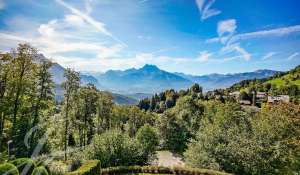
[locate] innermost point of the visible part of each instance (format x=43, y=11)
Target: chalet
x=261, y=95
x=279, y=98
x=235, y=94
x=245, y=102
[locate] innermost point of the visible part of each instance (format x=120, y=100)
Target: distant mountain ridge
x=148, y=79
x=58, y=71
x=217, y=81
x=151, y=79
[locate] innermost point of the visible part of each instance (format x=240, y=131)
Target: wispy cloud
x=268, y=55
x=260, y=34
x=98, y=25
x=60, y=37
x=204, y=56
x=143, y=1
x=164, y=50
x=205, y=9
x=88, y=6
x=235, y=47
x=88, y=19
x=293, y=56
x=143, y=37
x=2, y=4
x=226, y=30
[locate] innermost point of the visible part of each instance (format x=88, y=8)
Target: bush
x=40, y=171
x=24, y=164
x=114, y=148
x=148, y=138
x=57, y=167
x=159, y=170
x=8, y=169
x=90, y=167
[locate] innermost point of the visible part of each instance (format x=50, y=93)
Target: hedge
x=8, y=169
x=41, y=170
x=90, y=167
x=24, y=164
x=158, y=170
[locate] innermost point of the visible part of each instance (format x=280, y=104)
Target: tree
x=89, y=96
x=44, y=98
x=5, y=73
x=148, y=138
x=71, y=86
x=22, y=80
x=104, y=111
x=196, y=89
x=240, y=143
x=173, y=132
x=180, y=123
x=244, y=96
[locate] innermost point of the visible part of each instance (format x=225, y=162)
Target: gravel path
x=168, y=159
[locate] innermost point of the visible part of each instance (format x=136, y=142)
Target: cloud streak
x=205, y=9
x=88, y=19
x=293, y=56
x=260, y=34
x=98, y=25
x=2, y=4
x=226, y=30
x=268, y=55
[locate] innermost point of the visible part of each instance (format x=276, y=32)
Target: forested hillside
x=285, y=83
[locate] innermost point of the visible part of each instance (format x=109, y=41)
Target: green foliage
x=40, y=171
x=26, y=96
x=114, y=148
x=237, y=142
x=147, y=136
x=24, y=165
x=90, y=167
x=8, y=169
x=179, y=124
x=57, y=167
x=158, y=170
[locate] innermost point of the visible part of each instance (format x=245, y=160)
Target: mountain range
x=131, y=85
x=150, y=79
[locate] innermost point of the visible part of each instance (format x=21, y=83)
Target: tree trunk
x=16, y=103
x=66, y=128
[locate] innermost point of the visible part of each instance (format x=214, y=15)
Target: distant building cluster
x=279, y=98
x=260, y=97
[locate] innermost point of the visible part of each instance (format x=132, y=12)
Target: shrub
x=148, y=138
x=114, y=148
x=24, y=165
x=8, y=169
x=90, y=167
x=159, y=170
x=57, y=167
x=40, y=171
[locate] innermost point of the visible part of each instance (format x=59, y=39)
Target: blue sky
x=190, y=36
